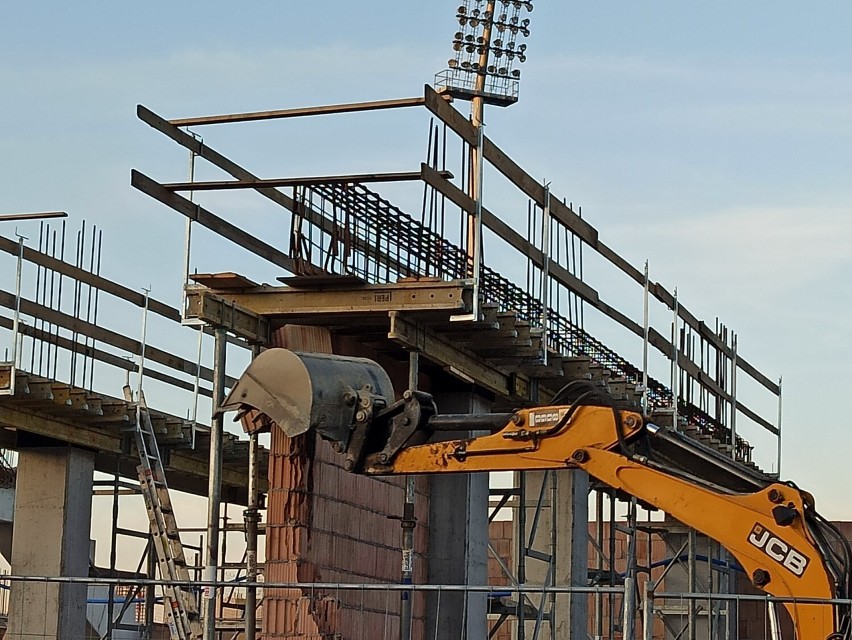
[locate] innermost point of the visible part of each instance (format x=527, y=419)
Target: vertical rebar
x=37, y=297
x=545, y=271
x=16, y=320
x=675, y=373
x=214, y=487
x=86, y=356
x=780, y=381
x=734, y=394
x=95, y=315
x=59, y=299
x=80, y=251
x=44, y=363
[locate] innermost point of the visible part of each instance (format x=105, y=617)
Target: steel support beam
x=5, y=217
x=214, y=310
x=456, y=360
x=278, y=302
x=278, y=114
x=358, y=178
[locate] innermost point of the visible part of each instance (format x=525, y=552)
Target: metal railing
x=654, y=617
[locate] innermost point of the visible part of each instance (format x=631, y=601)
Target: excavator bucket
x=303, y=391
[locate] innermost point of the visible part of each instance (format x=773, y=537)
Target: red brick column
x=325, y=524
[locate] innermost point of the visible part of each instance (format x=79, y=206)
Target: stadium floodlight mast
x=483, y=70
x=486, y=50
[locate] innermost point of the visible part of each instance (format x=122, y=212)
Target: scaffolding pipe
x=692, y=614
x=647, y=612
x=522, y=549
x=629, y=622
x=408, y=521
x=251, y=516
x=214, y=487
x=150, y=592
x=554, y=498
x=143, y=343
x=187, y=243
x=600, y=562
x=477, y=227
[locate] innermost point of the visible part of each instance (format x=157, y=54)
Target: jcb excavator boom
x=771, y=528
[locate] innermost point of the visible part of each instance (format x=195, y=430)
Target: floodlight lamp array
x=486, y=45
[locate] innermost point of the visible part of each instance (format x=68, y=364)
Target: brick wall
x=501, y=539
x=327, y=525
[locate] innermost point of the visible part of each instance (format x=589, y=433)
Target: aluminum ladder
x=181, y=609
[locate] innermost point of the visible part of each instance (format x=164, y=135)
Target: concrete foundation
x=458, y=538
x=53, y=512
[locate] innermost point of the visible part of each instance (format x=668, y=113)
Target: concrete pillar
x=571, y=510
x=53, y=511
x=458, y=538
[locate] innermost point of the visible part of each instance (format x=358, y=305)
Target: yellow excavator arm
x=765, y=531
x=771, y=528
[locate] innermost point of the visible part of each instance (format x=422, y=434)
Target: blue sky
x=714, y=139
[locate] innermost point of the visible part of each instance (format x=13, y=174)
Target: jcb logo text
x=773, y=546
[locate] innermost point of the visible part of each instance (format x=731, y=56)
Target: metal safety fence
x=75, y=608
